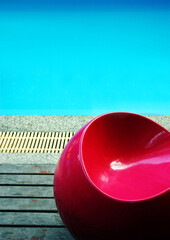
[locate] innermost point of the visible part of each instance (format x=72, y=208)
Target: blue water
x=84, y=61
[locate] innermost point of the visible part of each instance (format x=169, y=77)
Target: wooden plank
x=30, y=219
x=28, y=169
x=35, y=233
x=26, y=179
x=26, y=191
x=27, y=204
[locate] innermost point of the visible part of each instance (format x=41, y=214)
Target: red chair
x=113, y=179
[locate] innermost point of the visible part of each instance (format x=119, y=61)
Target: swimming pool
x=72, y=59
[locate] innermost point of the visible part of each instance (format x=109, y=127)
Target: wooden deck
x=27, y=206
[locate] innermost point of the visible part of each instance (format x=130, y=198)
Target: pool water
x=84, y=61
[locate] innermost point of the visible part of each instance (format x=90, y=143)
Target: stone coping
x=34, y=123
x=46, y=124
x=29, y=158
x=42, y=123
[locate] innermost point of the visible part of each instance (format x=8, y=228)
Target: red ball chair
x=112, y=180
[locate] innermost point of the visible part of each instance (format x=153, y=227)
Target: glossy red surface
x=113, y=179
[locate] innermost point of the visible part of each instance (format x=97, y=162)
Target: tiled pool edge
x=48, y=123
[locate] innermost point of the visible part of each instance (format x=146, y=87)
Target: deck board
x=26, y=191
x=34, y=233
x=10, y=179
x=30, y=219
x=27, y=205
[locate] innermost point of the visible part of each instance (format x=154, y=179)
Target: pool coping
x=11, y=123
x=35, y=123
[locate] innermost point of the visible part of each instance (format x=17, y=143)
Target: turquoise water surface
x=84, y=61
